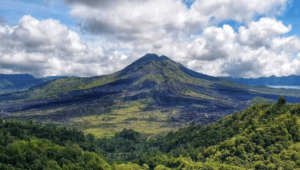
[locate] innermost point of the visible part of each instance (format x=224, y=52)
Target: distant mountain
x=14, y=82
x=268, y=81
x=16, y=77
x=152, y=95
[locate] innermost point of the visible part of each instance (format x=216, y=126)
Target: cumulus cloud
x=41, y=36
x=133, y=19
x=47, y=47
x=261, y=49
x=214, y=43
x=261, y=33
x=187, y=31
x=238, y=10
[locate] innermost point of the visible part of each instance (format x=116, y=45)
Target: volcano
x=156, y=82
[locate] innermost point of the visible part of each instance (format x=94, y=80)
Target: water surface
x=285, y=87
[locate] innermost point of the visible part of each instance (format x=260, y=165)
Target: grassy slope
x=66, y=85
x=106, y=123
x=129, y=115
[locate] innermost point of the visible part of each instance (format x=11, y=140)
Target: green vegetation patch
x=31, y=146
x=261, y=100
x=131, y=116
x=55, y=88
x=101, y=81
x=189, y=92
x=65, y=85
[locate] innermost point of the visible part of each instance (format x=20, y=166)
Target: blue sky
x=292, y=16
x=13, y=10
x=88, y=38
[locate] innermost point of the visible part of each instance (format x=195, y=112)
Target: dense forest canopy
x=263, y=136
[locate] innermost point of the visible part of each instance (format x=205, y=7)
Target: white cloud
x=238, y=10
x=129, y=20
x=43, y=36
x=262, y=33
x=213, y=44
x=123, y=30
x=257, y=50
x=135, y=20
x=188, y=35
x=46, y=47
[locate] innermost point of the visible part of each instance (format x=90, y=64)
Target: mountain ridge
x=18, y=82
x=151, y=85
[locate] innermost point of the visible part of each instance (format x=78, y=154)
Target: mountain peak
x=151, y=57
x=163, y=57
x=146, y=64
x=147, y=59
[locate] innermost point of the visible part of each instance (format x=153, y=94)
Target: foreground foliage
x=263, y=136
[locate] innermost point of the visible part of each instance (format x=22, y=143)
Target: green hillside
x=149, y=68
x=264, y=136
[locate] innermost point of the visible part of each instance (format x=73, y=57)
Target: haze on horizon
x=96, y=37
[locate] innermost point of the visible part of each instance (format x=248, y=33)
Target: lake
x=285, y=87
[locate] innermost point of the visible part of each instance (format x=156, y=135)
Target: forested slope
x=263, y=136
